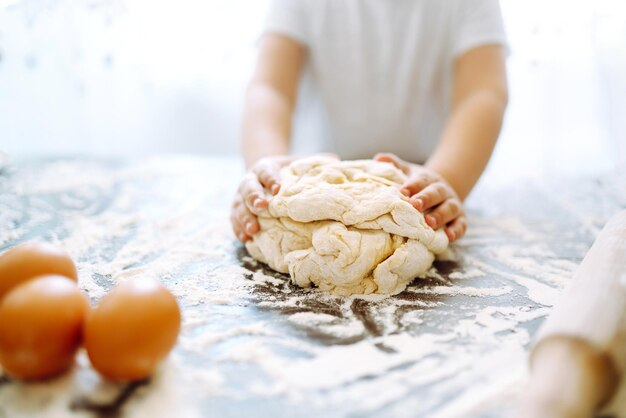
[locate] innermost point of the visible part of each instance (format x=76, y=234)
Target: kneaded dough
x=344, y=227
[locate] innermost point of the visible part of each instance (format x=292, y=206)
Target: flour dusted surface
x=452, y=344
x=344, y=227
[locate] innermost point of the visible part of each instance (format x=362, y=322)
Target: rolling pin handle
x=570, y=378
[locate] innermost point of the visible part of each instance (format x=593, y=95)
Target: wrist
x=259, y=148
x=450, y=176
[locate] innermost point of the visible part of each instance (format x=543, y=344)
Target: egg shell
x=41, y=327
x=132, y=330
x=26, y=261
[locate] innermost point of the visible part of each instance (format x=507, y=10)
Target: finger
x=444, y=213
x=430, y=196
x=252, y=193
x=240, y=230
x=418, y=183
x=269, y=177
x=387, y=157
x=241, y=236
x=456, y=229
x=248, y=223
x=237, y=229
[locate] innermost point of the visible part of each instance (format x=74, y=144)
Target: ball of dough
x=344, y=227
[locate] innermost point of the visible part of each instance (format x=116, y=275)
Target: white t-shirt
x=380, y=69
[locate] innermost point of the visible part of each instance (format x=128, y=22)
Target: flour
x=470, y=273
x=465, y=291
x=339, y=365
x=537, y=261
x=489, y=395
x=453, y=344
x=260, y=277
x=310, y=318
x=536, y=291
x=10, y=235
x=206, y=340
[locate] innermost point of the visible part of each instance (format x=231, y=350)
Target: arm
x=270, y=101
x=270, y=98
x=479, y=100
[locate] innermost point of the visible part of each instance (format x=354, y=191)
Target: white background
x=137, y=77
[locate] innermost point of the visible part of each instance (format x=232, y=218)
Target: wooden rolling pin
x=578, y=359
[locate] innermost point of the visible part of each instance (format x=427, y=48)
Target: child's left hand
x=432, y=195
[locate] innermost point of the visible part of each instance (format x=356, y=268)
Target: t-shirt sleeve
x=287, y=17
x=479, y=22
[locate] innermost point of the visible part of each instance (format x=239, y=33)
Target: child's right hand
x=431, y=194
x=250, y=198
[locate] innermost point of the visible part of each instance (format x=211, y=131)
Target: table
x=453, y=344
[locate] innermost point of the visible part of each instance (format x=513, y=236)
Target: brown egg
x=41, y=327
x=132, y=330
x=25, y=261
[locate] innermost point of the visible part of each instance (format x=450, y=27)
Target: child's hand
x=432, y=195
x=250, y=198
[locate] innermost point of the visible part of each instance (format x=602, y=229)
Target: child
x=423, y=80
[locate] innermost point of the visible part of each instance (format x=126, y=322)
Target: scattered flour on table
x=311, y=318
x=467, y=325
x=463, y=290
x=470, y=273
